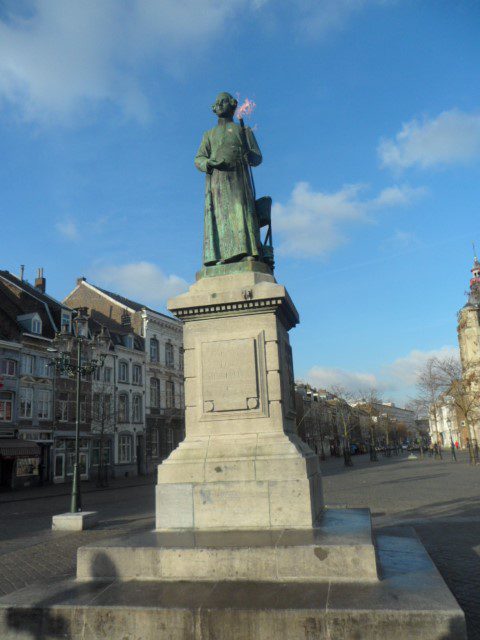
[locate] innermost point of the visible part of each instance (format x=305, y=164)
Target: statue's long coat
x=231, y=226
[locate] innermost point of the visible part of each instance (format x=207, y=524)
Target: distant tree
x=369, y=399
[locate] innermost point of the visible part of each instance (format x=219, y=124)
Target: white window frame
x=123, y=366
x=155, y=393
x=26, y=400
x=137, y=413
x=30, y=359
x=36, y=325
x=4, y=403
x=169, y=357
x=63, y=410
x=125, y=448
x=123, y=416
x=43, y=402
x=155, y=352
x=170, y=394
x=137, y=374
x=8, y=367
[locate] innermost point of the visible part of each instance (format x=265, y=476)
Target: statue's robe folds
x=231, y=225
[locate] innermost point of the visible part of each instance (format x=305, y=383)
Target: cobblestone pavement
x=439, y=498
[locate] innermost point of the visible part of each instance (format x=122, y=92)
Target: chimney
x=22, y=271
x=40, y=282
x=80, y=280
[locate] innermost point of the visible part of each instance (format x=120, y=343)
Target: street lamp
x=76, y=369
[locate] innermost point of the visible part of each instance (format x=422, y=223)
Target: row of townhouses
x=131, y=408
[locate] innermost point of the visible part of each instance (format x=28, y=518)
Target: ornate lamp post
x=77, y=368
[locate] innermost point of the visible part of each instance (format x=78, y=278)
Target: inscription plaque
x=229, y=375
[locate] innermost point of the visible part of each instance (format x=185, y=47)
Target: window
x=124, y=448
x=170, y=395
x=43, y=404
x=154, y=350
x=26, y=402
x=28, y=364
x=128, y=342
x=108, y=374
x=154, y=393
x=43, y=367
x=8, y=367
x=155, y=439
x=96, y=452
x=36, y=325
x=96, y=406
x=123, y=407
x=123, y=371
x=169, y=355
x=137, y=374
x=62, y=409
x=97, y=374
x=6, y=406
x=181, y=359
x=137, y=408
x=66, y=322
x=83, y=409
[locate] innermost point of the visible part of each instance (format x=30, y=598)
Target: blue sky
x=368, y=117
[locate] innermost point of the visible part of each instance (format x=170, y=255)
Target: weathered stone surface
x=340, y=548
x=241, y=459
x=410, y=602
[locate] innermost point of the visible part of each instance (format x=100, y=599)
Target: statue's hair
x=233, y=101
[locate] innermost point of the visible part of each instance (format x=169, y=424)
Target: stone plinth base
x=410, y=602
x=340, y=548
x=74, y=521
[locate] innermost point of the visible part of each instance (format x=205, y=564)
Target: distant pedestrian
x=454, y=455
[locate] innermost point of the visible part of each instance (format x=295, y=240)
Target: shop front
x=19, y=463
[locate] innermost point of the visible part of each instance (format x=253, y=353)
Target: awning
x=15, y=448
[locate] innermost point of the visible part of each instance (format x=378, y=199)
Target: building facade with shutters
x=162, y=373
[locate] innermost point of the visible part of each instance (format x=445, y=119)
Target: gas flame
x=245, y=109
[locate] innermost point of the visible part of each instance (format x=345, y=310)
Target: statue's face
x=223, y=106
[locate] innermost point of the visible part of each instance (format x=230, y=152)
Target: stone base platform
x=339, y=548
x=410, y=602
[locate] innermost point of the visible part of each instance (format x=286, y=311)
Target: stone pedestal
x=243, y=548
x=241, y=465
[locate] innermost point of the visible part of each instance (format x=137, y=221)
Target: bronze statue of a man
x=226, y=153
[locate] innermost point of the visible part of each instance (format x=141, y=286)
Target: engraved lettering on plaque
x=229, y=372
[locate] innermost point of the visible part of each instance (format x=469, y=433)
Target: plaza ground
x=438, y=498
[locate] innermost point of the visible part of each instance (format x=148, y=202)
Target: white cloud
x=313, y=223
x=352, y=381
x=452, y=137
x=404, y=370
x=58, y=55
x=320, y=17
x=68, y=229
x=395, y=380
x=402, y=195
x=141, y=281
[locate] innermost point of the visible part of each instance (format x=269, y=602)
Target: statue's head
x=225, y=105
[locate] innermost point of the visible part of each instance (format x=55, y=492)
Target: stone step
x=339, y=548
x=410, y=602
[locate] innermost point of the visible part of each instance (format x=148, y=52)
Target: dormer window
x=31, y=322
x=66, y=322
x=128, y=341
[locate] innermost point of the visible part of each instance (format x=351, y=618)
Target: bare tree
x=431, y=384
x=462, y=389
x=104, y=425
x=369, y=398
x=348, y=419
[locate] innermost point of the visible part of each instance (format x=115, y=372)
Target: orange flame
x=245, y=109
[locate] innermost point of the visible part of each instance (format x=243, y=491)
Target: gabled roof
x=126, y=302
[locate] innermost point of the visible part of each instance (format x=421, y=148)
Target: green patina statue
x=232, y=226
